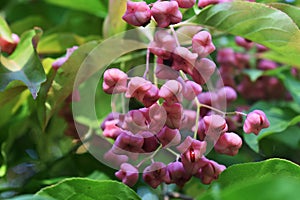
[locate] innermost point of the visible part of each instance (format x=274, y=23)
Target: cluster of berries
x=232, y=64
x=163, y=12
x=163, y=121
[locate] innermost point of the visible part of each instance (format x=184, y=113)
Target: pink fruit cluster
x=164, y=13
x=140, y=134
x=233, y=64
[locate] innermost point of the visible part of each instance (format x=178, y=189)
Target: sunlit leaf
x=257, y=22
x=94, y=7
x=5, y=31
x=292, y=11
x=114, y=23
x=88, y=189
x=271, y=179
x=24, y=64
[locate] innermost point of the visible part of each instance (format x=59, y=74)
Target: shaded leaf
x=87, y=189
x=293, y=86
x=10, y=93
x=290, y=137
x=58, y=42
x=24, y=64
x=94, y=7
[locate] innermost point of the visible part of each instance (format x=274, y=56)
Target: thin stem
x=175, y=35
x=147, y=63
x=212, y=108
x=183, y=75
x=240, y=113
x=154, y=75
x=149, y=157
x=173, y=152
x=197, y=118
x=123, y=104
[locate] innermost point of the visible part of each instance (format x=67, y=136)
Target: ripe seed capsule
x=192, y=155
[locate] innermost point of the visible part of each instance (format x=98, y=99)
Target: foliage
x=42, y=157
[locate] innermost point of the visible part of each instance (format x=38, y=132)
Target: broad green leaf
x=266, y=188
x=58, y=42
x=63, y=82
x=280, y=119
x=257, y=22
x=88, y=189
x=114, y=23
x=239, y=173
x=88, y=64
x=292, y=11
x=270, y=179
x=5, y=31
x=24, y=64
x=94, y=7
x=290, y=137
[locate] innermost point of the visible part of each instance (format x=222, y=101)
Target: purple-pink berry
x=229, y=144
x=128, y=174
x=255, y=121
x=166, y=13
x=137, y=13
x=114, y=81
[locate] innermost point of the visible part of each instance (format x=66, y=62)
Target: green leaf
x=280, y=119
x=26, y=23
x=97, y=175
x=63, y=82
x=5, y=31
x=257, y=22
x=87, y=189
x=292, y=11
x=239, y=173
x=293, y=87
x=10, y=93
x=24, y=64
x=114, y=23
x=95, y=7
x=290, y=137
x=88, y=63
x=275, y=188
x=58, y=42
x=271, y=179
